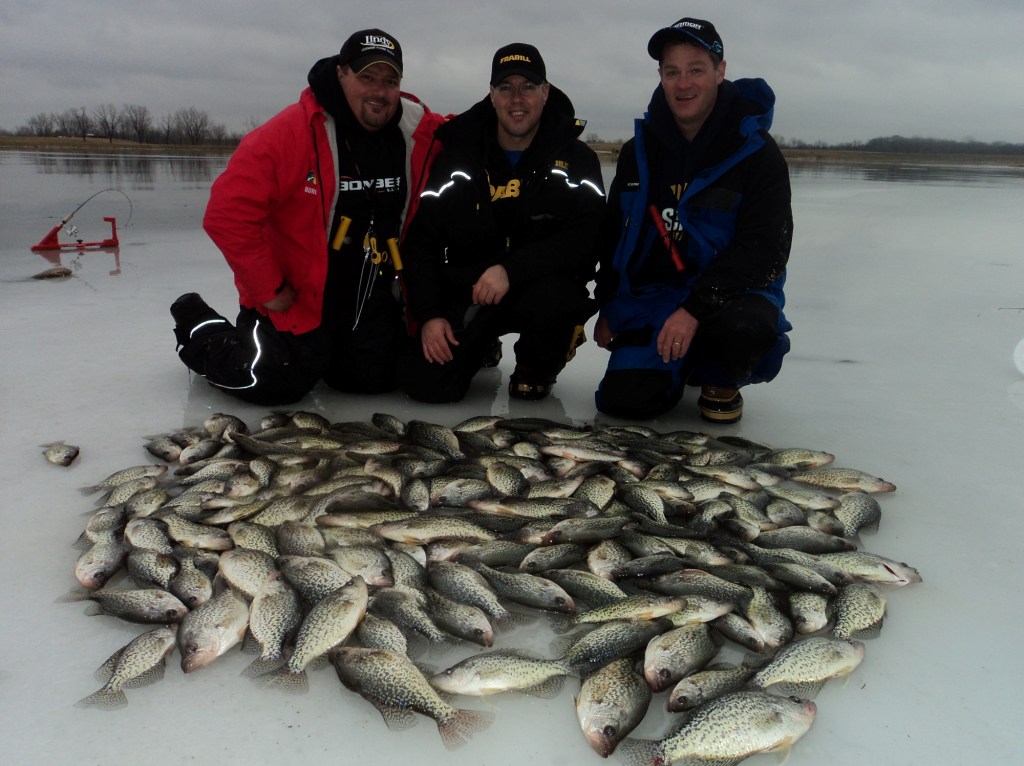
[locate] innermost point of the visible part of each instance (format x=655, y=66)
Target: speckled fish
x=274, y=616
x=397, y=688
x=807, y=498
x=365, y=561
x=325, y=627
x=425, y=529
x=804, y=666
x=193, y=535
x=767, y=619
x=809, y=611
x=528, y=589
x=503, y=670
x=314, y=578
x=245, y=569
x=796, y=457
x=678, y=652
x=210, y=630
x=60, y=453
x=870, y=567
x=100, y=562
x=847, y=479
x=463, y=620
x=859, y=610
x=586, y=586
x=140, y=662
x=191, y=584
x=126, y=474
x=585, y=530
x=705, y=685
x=145, y=605
x=857, y=511
x=726, y=730
x=462, y=583
x=435, y=437
x=610, y=704
x=637, y=607
x=611, y=641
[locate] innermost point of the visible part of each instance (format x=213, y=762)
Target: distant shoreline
x=606, y=151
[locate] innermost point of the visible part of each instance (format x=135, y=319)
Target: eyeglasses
x=525, y=89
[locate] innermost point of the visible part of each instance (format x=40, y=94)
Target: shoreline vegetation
x=607, y=151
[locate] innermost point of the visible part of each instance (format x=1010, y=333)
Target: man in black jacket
x=505, y=239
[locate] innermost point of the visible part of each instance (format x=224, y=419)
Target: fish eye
x=663, y=673
x=478, y=631
x=609, y=730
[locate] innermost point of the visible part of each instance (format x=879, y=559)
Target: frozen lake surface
x=906, y=292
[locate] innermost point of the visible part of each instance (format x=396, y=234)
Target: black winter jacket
x=538, y=218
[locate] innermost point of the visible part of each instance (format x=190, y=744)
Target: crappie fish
x=274, y=616
x=671, y=655
x=847, y=479
x=393, y=685
x=804, y=666
x=503, y=670
x=859, y=611
x=728, y=729
x=210, y=630
x=60, y=453
x=610, y=704
x=140, y=662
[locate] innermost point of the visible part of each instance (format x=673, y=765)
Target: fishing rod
x=52, y=241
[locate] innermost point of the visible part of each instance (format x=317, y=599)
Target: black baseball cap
x=690, y=30
x=371, y=46
x=520, y=59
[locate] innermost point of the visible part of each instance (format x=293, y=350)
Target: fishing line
x=73, y=230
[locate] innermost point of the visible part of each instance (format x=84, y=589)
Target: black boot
x=190, y=312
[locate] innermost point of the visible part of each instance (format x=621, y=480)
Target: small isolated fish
x=728, y=729
x=60, y=453
x=140, y=662
x=145, y=605
x=611, y=703
x=55, y=272
x=397, y=688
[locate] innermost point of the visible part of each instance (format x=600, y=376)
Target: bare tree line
x=133, y=122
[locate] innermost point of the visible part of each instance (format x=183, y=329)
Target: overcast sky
x=841, y=71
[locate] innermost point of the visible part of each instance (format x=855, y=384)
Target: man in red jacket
x=308, y=214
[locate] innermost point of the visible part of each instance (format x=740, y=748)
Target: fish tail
x=457, y=730
x=286, y=680
x=261, y=666
x=108, y=699
x=640, y=752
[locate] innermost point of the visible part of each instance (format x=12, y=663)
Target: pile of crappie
x=653, y=556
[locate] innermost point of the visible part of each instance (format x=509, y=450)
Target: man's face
x=690, y=80
x=372, y=94
x=519, y=104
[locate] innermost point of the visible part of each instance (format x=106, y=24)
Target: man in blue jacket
x=697, y=239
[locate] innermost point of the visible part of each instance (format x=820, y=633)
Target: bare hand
x=437, y=339
x=602, y=333
x=283, y=301
x=676, y=335
x=491, y=287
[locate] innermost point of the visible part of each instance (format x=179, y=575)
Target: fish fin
x=107, y=699
x=803, y=689
x=286, y=680
x=457, y=730
x=74, y=595
x=261, y=666
x=549, y=689
x=94, y=610
x=396, y=717
x=150, y=676
x=251, y=645
x=106, y=670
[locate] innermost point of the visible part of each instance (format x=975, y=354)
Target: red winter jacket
x=270, y=210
